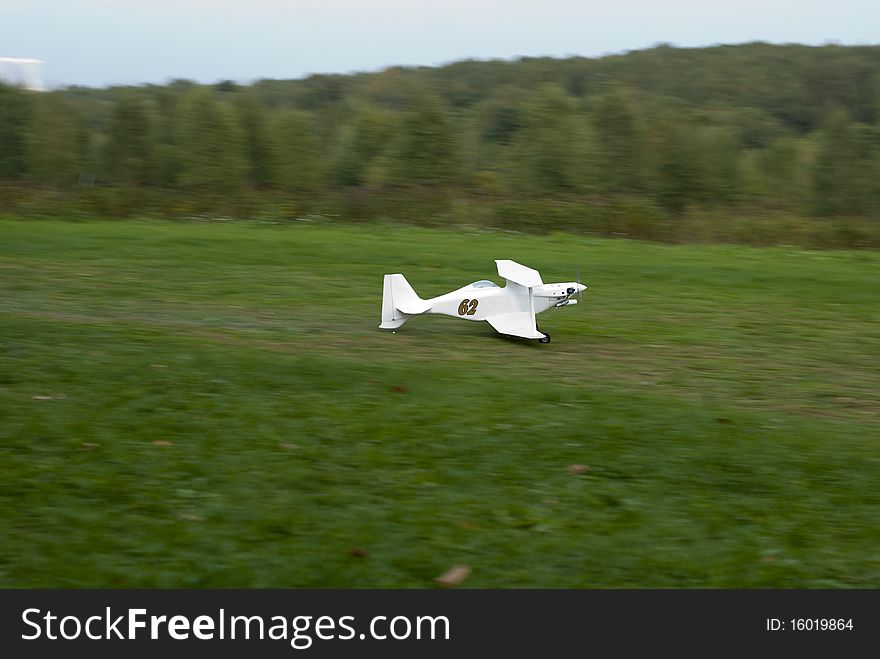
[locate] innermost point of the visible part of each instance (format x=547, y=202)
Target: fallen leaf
x=454, y=576
x=357, y=552
x=286, y=445
x=42, y=397
x=89, y=445
x=578, y=469
x=162, y=442
x=398, y=389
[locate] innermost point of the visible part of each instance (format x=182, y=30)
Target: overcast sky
x=102, y=42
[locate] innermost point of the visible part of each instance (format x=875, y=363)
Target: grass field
x=213, y=405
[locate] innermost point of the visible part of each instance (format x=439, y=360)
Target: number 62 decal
x=465, y=310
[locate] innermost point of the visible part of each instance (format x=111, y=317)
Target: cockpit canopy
x=484, y=283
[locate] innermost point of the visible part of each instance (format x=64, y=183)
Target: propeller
x=571, y=291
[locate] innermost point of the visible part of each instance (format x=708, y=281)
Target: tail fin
x=399, y=302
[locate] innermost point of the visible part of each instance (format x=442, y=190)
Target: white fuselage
x=476, y=302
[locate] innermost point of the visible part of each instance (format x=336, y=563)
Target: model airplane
x=510, y=310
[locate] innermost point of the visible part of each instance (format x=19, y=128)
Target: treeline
x=666, y=143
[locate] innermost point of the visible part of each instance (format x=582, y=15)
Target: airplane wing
x=518, y=274
x=519, y=323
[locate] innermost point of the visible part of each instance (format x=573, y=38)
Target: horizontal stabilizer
x=518, y=273
x=519, y=323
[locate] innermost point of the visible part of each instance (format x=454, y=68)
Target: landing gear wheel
x=545, y=339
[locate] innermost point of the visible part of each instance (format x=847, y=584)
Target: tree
x=53, y=141
x=619, y=142
x=255, y=131
x=425, y=149
x=15, y=108
x=836, y=170
x=362, y=141
x=551, y=152
x=211, y=145
x=785, y=167
x=503, y=115
x=296, y=158
x=674, y=173
x=865, y=183
x=131, y=142
x=717, y=174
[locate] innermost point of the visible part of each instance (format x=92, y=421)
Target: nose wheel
x=545, y=338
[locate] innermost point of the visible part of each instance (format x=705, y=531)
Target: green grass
x=212, y=405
